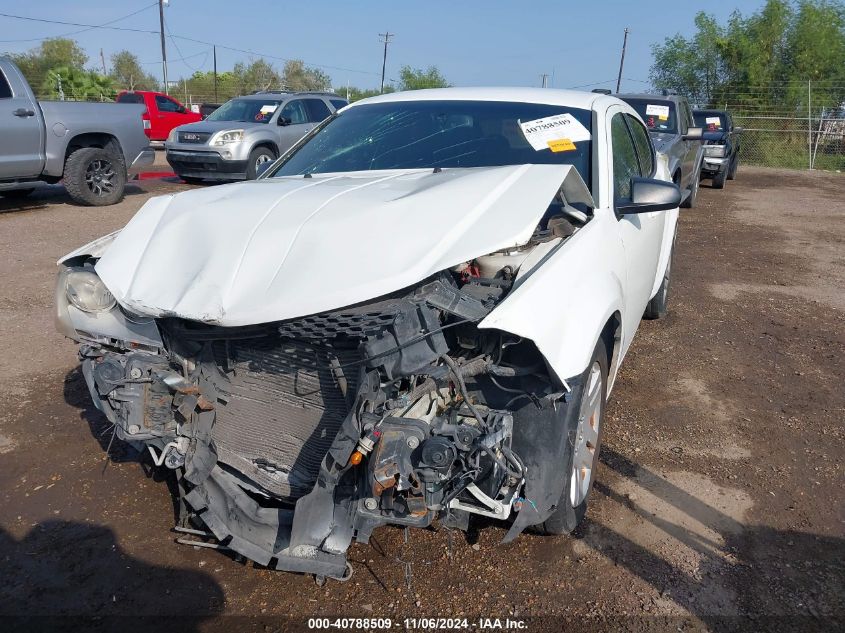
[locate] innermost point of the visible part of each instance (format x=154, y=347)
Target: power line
x=183, y=38
x=88, y=27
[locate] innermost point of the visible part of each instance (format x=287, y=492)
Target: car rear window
x=710, y=121
x=657, y=114
x=130, y=97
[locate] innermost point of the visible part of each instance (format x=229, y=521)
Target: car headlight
x=227, y=136
x=714, y=151
x=87, y=292
x=171, y=138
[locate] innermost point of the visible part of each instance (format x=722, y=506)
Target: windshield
x=710, y=121
x=419, y=134
x=658, y=115
x=252, y=110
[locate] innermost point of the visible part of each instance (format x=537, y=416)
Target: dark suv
x=721, y=145
x=669, y=120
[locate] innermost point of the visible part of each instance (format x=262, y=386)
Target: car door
x=293, y=123
x=691, y=148
x=21, y=132
x=642, y=233
x=168, y=116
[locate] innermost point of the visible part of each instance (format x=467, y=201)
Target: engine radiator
x=284, y=408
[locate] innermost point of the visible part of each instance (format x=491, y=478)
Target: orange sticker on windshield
x=561, y=145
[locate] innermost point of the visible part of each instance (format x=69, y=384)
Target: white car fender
x=669, y=229
x=587, y=273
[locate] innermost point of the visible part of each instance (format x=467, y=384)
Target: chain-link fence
x=807, y=135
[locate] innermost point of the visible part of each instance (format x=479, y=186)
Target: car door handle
x=21, y=112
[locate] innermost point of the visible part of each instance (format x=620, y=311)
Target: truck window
x=317, y=110
x=5, y=90
x=130, y=97
x=166, y=105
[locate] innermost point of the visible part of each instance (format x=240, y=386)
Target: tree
x=52, y=53
x=765, y=58
x=126, y=72
x=297, y=76
x=417, y=79
x=257, y=76
x=66, y=82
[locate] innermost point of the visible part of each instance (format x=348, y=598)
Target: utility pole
x=215, y=74
x=543, y=78
x=163, y=47
x=103, y=61
x=622, y=61
x=386, y=40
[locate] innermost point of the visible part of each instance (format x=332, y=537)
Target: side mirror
x=260, y=169
x=737, y=130
x=648, y=194
x=693, y=134
x=283, y=120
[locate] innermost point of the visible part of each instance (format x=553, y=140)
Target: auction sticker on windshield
x=269, y=108
x=660, y=111
x=559, y=133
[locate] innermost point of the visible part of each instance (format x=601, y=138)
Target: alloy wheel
x=99, y=177
x=586, y=437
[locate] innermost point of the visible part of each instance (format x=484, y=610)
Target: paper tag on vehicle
x=268, y=109
x=660, y=111
x=714, y=120
x=541, y=133
x=562, y=145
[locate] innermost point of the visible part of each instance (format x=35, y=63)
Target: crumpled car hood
x=282, y=248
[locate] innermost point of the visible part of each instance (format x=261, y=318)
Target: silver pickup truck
x=92, y=147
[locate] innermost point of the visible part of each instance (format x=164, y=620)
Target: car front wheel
x=583, y=447
x=689, y=202
x=258, y=157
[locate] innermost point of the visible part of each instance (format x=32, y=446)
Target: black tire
x=256, y=157
x=94, y=176
x=658, y=305
x=689, y=203
x=191, y=180
x=719, y=179
x=733, y=168
x=567, y=516
x=16, y=193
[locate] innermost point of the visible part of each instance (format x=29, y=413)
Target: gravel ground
x=718, y=504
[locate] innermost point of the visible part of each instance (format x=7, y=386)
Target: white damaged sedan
x=414, y=315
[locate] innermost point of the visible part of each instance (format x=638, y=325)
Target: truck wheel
x=658, y=306
x=94, y=176
x=257, y=157
x=719, y=179
x=16, y=193
x=734, y=167
x=585, y=443
x=689, y=203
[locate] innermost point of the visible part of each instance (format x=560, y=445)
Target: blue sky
x=473, y=42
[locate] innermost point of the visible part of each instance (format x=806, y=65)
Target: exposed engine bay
x=289, y=439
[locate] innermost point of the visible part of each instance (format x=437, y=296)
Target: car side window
x=317, y=110
x=339, y=103
x=643, y=146
x=625, y=162
x=166, y=105
x=5, y=88
x=294, y=111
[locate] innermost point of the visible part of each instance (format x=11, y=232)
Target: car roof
x=651, y=97
x=548, y=96
x=283, y=94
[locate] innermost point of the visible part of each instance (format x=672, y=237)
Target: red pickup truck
x=163, y=112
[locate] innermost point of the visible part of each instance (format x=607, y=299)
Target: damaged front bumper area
x=293, y=438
